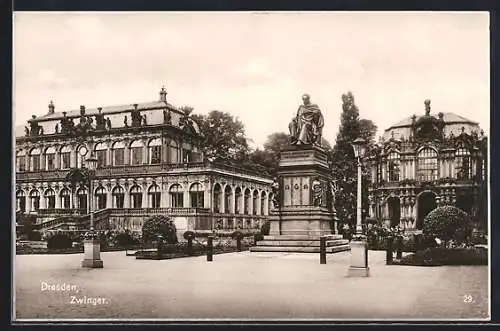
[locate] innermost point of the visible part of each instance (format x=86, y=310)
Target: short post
x=238, y=243
x=388, y=258
x=322, y=250
x=190, y=246
x=210, y=248
x=159, y=245
x=399, y=252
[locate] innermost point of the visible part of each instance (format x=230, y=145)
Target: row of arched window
x=138, y=153
x=427, y=165
x=237, y=202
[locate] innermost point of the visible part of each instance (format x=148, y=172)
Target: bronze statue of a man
x=307, y=126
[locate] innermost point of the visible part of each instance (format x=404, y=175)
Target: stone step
x=299, y=249
x=283, y=237
x=305, y=243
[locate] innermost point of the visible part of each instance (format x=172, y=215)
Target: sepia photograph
x=251, y=166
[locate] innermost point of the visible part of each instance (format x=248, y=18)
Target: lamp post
x=92, y=249
x=359, y=253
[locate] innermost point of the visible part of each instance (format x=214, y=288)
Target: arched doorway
x=465, y=202
x=394, y=211
x=426, y=203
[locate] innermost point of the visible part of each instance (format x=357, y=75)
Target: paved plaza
x=244, y=286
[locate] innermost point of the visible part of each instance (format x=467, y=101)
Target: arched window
x=463, y=167
x=118, y=194
x=136, y=149
x=186, y=153
x=35, y=159
x=80, y=159
x=176, y=196
x=255, y=202
x=64, y=194
x=427, y=165
x=196, y=195
x=246, y=206
x=173, y=152
x=50, y=198
x=82, y=198
x=20, y=201
x=228, y=199
x=101, y=152
x=35, y=200
x=217, y=198
x=154, y=196
x=238, y=197
x=50, y=158
x=263, y=203
x=100, y=195
x=118, y=149
x=136, y=196
x=65, y=157
x=154, y=151
x=21, y=160
x=393, y=167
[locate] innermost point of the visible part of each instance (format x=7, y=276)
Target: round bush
x=59, y=241
x=159, y=225
x=448, y=223
x=34, y=236
x=237, y=235
x=124, y=239
x=265, y=228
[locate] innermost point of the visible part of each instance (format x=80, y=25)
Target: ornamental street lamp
x=359, y=252
x=92, y=249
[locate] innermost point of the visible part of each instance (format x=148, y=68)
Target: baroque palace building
x=428, y=161
x=149, y=163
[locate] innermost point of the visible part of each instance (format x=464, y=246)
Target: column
x=207, y=195
x=186, y=196
x=72, y=157
x=126, y=198
x=222, y=200
x=266, y=204
x=57, y=160
x=109, y=154
x=145, y=158
x=233, y=205
x=126, y=153
x=250, y=204
x=109, y=199
x=164, y=195
x=58, y=200
x=145, y=200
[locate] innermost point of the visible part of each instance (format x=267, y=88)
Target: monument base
x=300, y=244
x=92, y=254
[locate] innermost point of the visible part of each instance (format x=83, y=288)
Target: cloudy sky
x=256, y=65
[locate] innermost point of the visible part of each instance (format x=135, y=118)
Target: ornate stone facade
x=424, y=162
x=151, y=166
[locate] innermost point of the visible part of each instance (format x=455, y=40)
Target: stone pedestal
x=304, y=213
x=359, y=258
x=92, y=254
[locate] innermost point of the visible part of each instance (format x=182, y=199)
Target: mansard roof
x=447, y=117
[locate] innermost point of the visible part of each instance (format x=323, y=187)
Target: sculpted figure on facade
x=307, y=126
x=275, y=189
x=317, y=189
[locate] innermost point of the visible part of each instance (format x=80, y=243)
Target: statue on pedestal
x=307, y=126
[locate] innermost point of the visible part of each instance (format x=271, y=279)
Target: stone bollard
x=322, y=250
x=210, y=248
x=190, y=246
x=388, y=258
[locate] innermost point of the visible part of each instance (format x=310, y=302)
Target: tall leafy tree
x=344, y=164
x=224, y=136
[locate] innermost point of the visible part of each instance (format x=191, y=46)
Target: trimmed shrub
x=448, y=223
x=59, y=241
x=124, y=239
x=445, y=256
x=189, y=235
x=34, y=236
x=159, y=225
